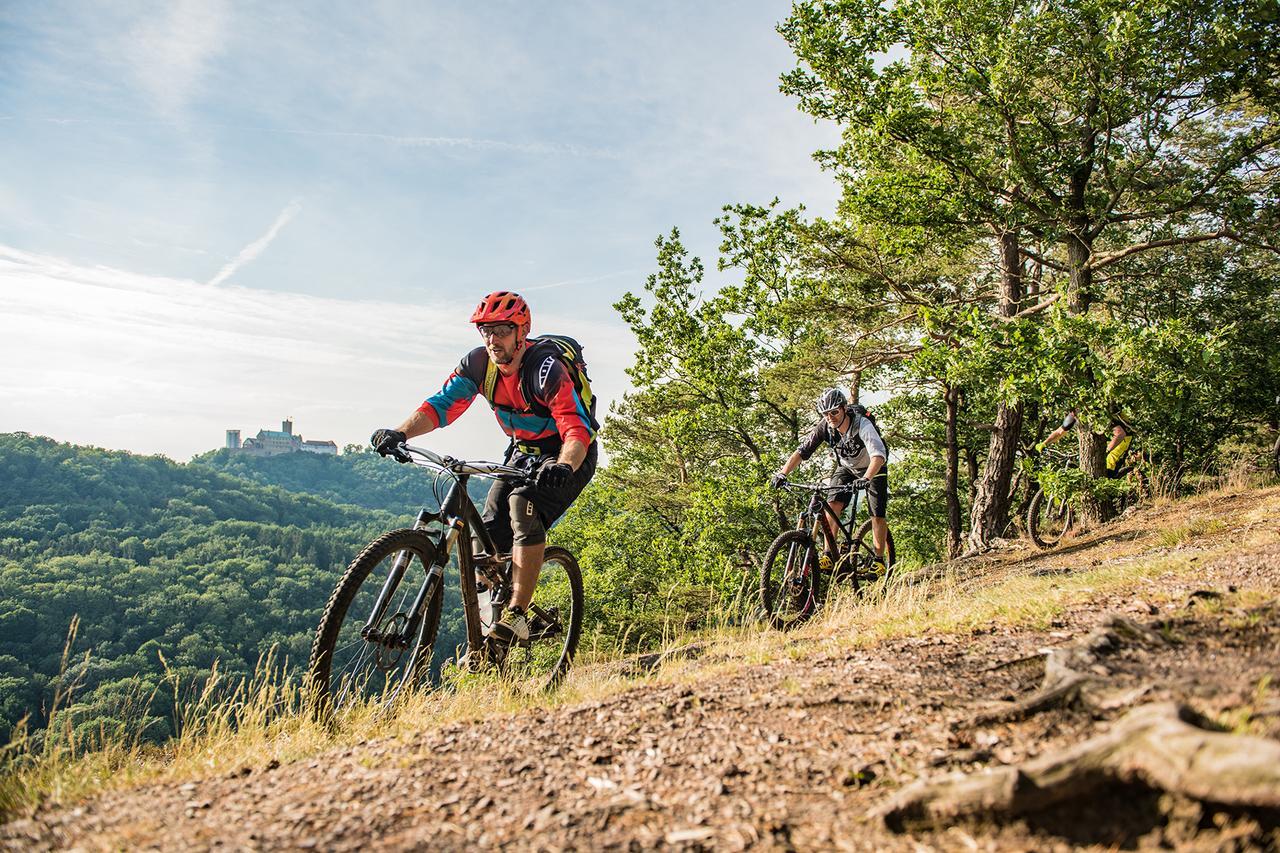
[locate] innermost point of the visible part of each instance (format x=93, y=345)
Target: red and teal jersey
x=554, y=415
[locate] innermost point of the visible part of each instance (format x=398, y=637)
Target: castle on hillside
x=270, y=442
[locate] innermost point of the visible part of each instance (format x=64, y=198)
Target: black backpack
x=860, y=411
x=568, y=351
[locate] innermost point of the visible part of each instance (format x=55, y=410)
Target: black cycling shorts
x=877, y=491
x=550, y=503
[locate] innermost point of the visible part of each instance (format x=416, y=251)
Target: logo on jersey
x=545, y=370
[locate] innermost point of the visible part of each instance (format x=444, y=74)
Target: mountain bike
x=791, y=574
x=1050, y=516
x=378, y=632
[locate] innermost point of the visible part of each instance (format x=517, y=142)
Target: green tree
x=1079, y=134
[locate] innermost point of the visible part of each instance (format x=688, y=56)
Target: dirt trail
x=795, y=754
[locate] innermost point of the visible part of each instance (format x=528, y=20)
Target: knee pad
x=526, y=524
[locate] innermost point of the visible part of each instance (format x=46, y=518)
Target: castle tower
x=233, y=439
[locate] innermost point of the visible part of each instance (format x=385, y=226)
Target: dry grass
x=225, y=728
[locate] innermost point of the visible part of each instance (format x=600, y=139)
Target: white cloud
x=170, y=53
x=118, y=359
x=572, y=282
x=257, y=247
x=542, y=148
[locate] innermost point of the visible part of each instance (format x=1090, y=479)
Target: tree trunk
x=990, y=515
x=1079, y=253
x=1093, y=462
x=971, y=466
x=952, y=397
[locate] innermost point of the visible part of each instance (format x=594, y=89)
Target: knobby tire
x=335, y=637
x=863, y=553
x=1052, y=509
x=543, y=663
x=787, y=582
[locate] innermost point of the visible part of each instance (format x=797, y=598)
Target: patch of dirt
x=793, y=755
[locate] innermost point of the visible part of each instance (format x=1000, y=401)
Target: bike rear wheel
x=1048, y=519
x=352, y=664
x=861, y=564
x=555, y=626
x=790, y=580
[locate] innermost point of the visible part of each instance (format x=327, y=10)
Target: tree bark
x=951, y=488
x=971, y=467
x=990, y=513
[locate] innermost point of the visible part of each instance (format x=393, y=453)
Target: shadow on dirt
x=1133, y=816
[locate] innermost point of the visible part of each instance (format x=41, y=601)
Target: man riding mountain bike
x=862, y=464
x=1117, y=447
x=541, y=407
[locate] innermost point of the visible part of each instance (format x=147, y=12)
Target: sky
x=218, y=215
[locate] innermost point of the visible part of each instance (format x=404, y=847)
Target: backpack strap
x=490, y=386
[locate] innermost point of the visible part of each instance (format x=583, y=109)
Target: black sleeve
x=474, y=365
x=813, y=441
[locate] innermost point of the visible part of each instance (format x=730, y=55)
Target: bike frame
x=818, y=507
x=459, y=520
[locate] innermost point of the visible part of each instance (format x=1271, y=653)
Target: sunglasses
x=496, y=330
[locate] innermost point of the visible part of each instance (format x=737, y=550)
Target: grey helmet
x=831, y=400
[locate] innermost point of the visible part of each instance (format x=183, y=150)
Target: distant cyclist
x=533, y=392
x=861, y=459
x=1117, y=447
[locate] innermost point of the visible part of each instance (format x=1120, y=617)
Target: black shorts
x=550, y=503
x=877, y=490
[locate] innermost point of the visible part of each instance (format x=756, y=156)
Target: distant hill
x=363, y=479
x=212, y=561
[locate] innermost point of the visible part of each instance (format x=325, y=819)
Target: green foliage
x=157, y=558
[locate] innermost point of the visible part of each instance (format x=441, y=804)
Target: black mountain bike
x=1051, y=517
x=378, y=631
x=792, y=574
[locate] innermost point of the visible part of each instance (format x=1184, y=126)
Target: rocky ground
x=806, y=754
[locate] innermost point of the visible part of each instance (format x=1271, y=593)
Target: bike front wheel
x=862, y=563
x=790, y=580
x=1048, y=519
x=360, y=656
x=555, y=626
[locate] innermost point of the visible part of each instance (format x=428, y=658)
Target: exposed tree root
x=1071, y=674
x=1161, y=745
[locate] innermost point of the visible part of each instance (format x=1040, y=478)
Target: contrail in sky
x=257, y=247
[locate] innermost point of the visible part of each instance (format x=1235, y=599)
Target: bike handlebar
x=431, y=459
x=811, y=487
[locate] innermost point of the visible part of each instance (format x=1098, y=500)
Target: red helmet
x=502, y=307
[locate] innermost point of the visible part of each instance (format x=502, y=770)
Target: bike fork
x=398, y=568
